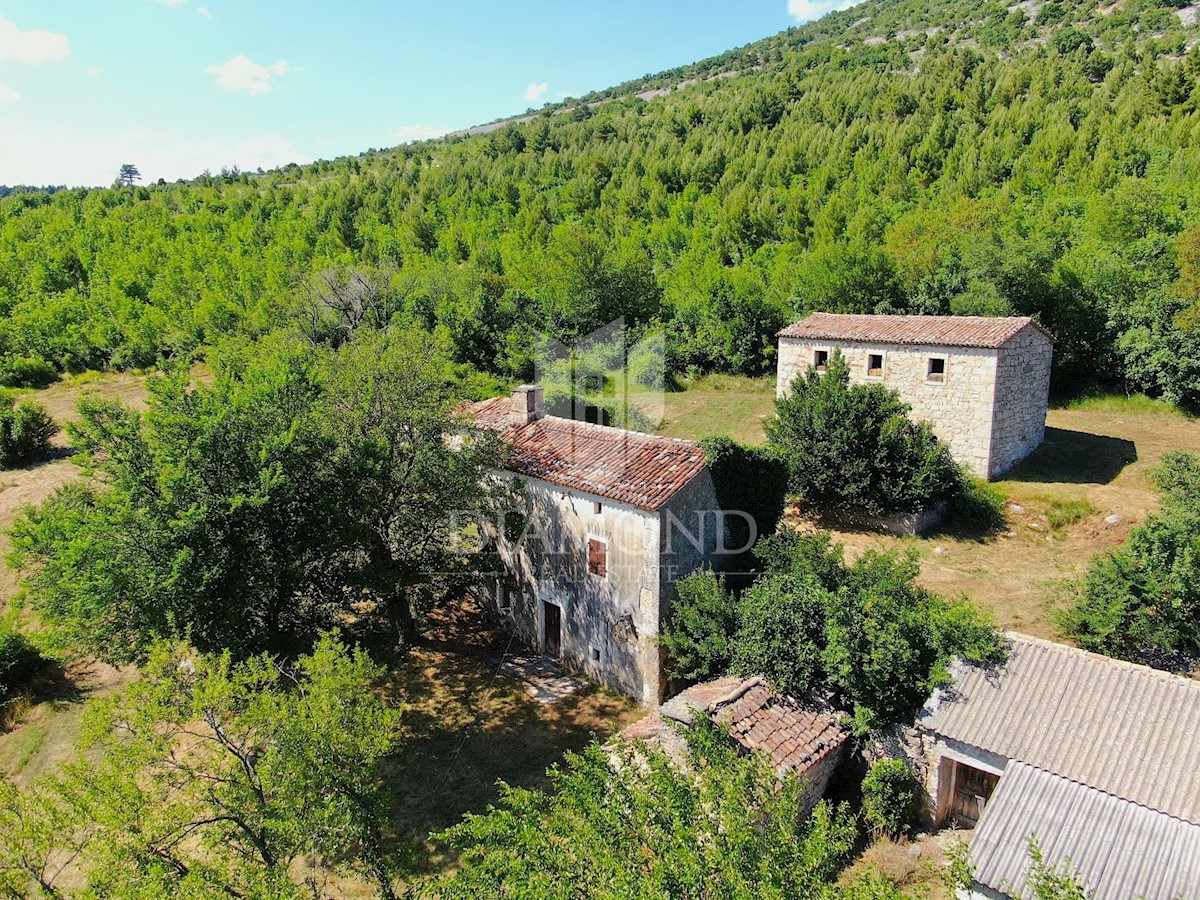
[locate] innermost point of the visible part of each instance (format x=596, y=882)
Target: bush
x=753, y=480
x=979, y=504
x=26, y=371
x=889, y=798
x=25, y=432
x=1141, y=601
x=781, y=620
x=700, y=628
x=855, y=446
x=19, y=660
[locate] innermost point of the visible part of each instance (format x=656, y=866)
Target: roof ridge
x=595, y=425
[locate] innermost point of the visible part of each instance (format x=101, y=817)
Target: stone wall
x=959, y=406
x=1022, y=396
x=935, y=771
x=608, y=622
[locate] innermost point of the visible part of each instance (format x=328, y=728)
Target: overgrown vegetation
x=867, y=630
x=854, y=446
x=19, y=660
x=889, y=798
x=209, y=777
x=628, y=822
x=303, y=487
x=749, y=480
x=964, y=159
x=1141, y=602
x=25, y=432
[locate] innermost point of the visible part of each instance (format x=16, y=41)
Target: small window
x=596, y=654
x=875, y=365
x=820, y=360
x=598, y=558
x=502, y=596
x=597, y=508
x=936, y=370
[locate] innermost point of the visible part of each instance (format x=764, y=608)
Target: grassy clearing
x=1094, y=466
x=720, y=404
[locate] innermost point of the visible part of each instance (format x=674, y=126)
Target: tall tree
x=207, y=777
x=417, y=471
x=128, y=175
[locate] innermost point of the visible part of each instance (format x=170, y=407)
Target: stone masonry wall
x=1022, y=396
x=614, y=617
x=959, y=407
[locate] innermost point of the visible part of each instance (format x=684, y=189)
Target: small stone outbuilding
x=611, y=520
x=982, y=383
x=808, y=738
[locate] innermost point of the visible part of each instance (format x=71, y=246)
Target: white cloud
x=204, y=11
x=171, y=2
x=806, y=10
x=31, y=46
x=35, y=154
x=8, y=94
x=535, y=91
x=417, y=132
x=243, y=74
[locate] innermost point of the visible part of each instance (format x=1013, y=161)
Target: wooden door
x=972, y=789
x=553, y=631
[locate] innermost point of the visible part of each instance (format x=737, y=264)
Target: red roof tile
x=794, y=735
x=938, y=331
x=642, y=470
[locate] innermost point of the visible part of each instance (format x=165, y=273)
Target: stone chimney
x=528, y=403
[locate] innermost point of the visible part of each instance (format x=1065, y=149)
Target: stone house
x=982, y=383
x=806, y=737
x=611, y=519
x=1097, y=757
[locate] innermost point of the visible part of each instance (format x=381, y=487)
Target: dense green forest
x=948, y=156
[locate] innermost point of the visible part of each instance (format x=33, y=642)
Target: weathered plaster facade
x=609, y=624
x=988, y=405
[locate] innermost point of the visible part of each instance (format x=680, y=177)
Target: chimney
x=528, y=403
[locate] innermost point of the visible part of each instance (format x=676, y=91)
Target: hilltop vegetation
x=930, y=157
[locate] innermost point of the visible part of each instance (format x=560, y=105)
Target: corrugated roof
x=1128, y=730
x=642, y=470
x=795, y=735
x=1117, y=849
x=938, y=331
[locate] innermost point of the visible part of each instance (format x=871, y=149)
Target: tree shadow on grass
x=1075, y=457
x=467, y=726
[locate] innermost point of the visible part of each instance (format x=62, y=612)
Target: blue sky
x=177, y=86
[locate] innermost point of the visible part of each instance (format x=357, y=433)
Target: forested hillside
x=946, y=156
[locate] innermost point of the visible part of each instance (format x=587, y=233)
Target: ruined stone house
x=805, y=737
x=610, y=520
x=1097, y=757
x=982, y=383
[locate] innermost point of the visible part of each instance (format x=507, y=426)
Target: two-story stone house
x=611, y=519
x=982, y=383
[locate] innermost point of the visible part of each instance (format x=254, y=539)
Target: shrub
x=26, y=371
x=889, y=798
x=979, y=504
x=700, y=628
x=855, y=446
x=753, y=480
x=1141, y=601
x=25, y=432
x=781, y=620
x=18, y=660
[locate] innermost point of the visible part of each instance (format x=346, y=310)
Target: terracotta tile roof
x=794, y=735
x=1128, y=730
x=642, y=470
x=937, y=331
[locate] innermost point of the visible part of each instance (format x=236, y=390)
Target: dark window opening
x=875, y=365
x=937, y=369
x=503, y=600
x=597, y=508
x=598, y=558
x=595, y=654
x=820, y=360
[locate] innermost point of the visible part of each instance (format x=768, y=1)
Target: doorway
x=972, y=790
x=552, y=633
